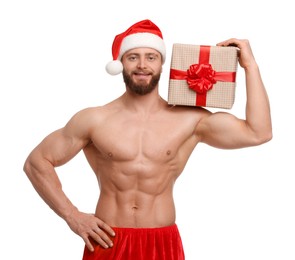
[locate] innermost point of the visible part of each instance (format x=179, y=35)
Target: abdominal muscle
x=136, y=198
x=136, y=210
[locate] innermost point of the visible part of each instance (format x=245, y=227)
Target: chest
x=154, y=138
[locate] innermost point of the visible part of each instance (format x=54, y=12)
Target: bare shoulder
x=85, y=116
x=189, y=112
x=92, y=117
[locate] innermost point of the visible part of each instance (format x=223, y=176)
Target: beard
x=141, y=88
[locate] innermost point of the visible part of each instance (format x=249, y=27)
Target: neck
x=148, y=103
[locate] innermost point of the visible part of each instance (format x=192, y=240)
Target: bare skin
x=138, y=146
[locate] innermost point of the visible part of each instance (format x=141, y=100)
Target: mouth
x=141, y=75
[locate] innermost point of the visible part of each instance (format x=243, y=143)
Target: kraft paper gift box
x=203, y=76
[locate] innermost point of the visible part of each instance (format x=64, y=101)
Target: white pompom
x=114, y=67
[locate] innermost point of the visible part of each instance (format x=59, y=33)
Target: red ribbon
x=201, y=77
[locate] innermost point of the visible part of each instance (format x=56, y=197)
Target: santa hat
x=141, y=34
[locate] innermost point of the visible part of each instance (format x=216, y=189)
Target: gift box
x=203, y=76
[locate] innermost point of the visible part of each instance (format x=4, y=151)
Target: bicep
x=63, y=144
x=224, y=130
x=59, y=147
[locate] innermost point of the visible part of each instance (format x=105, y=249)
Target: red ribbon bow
x=200, y=77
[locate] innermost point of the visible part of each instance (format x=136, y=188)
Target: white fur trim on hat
x=148, y=40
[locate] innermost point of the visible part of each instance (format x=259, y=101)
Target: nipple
x=110, y=154
x=168, y=152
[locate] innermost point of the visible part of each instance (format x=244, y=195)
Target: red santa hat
x=142, y=34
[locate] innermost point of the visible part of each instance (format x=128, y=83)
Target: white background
x=231, y=204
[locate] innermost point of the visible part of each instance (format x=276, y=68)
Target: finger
x=88, y=244
x=102, y=235
x=102, y=239
x=229, y=42
x=106, y=228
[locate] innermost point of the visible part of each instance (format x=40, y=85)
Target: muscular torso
x=137, y=159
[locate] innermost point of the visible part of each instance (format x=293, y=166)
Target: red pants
x=141, y=244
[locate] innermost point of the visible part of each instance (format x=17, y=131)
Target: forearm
x=42, y=175
x=46, y=182
x=258, y=116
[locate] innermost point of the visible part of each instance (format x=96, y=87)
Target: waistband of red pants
x=171, y=228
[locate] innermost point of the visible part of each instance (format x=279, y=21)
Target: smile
x=141, y=75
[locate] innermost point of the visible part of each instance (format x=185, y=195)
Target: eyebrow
x=146, y=54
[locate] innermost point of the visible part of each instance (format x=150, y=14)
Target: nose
x=141, y=63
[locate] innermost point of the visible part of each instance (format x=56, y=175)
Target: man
x=137, y=146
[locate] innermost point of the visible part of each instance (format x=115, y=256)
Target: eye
x=152, y=57
x=132, y=57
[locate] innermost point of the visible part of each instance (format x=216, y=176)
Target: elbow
x=266, y=138
x=31, y=164
x=263, y=137
x=27, y=166
x=260, y=134
x=35, y=165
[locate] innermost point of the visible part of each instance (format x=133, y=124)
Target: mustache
x=142, y=71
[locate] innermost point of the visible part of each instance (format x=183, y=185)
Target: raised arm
x=226, y=131
x=55, y=150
